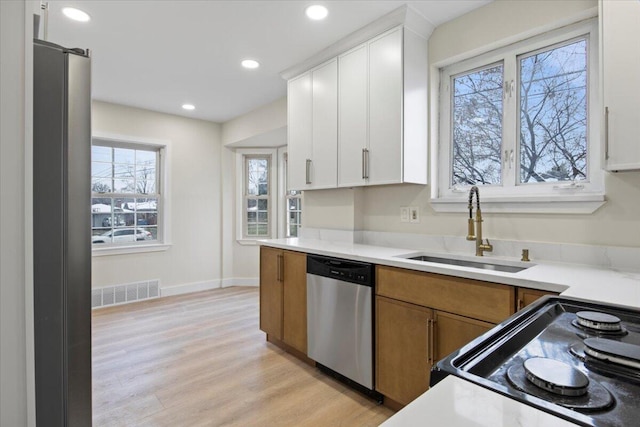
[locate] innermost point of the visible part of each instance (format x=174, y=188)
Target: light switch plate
x=404, y=214
x=414, y=214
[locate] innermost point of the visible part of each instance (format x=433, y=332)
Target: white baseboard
x=241, y=281
x=190, y=287
x=207, y=285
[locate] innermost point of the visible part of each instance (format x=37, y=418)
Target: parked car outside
x=122, y=235
x=107, y=221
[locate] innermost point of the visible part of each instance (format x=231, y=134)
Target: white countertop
x=455, y=402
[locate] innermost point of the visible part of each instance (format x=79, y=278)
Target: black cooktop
x=573, y=358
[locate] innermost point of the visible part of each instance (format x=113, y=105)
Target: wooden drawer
x=479, y=300
x=528, y=296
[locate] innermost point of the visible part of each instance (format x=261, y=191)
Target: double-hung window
x=521, y=121
x=292, y=202
x=125, y=193
x=257, y=197
x=265, y=208
x=256, y=200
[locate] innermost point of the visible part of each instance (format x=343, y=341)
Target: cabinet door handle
x=520, y=303
x=429, y=361
x=432, y=344
x=365, y=163
x=308, y=172
x=368, y=163
x=606, y=133
x=280, y=268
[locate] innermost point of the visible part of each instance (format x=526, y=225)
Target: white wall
x=195, y=199
x=617, y=223
x=262, y=127
x=261, y=121
x=500, y=20
x=13, y=354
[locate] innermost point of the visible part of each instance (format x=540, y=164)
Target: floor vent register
x=122, y=294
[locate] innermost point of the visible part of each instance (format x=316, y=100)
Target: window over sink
x=522, y=123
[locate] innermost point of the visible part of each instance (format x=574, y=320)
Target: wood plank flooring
x=201, y=360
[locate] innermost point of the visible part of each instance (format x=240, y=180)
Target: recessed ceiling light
x=188, y=107
x=317, y=12
x=250, y=63
x=76, y=14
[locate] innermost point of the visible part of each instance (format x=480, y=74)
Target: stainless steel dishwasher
x=340, y=319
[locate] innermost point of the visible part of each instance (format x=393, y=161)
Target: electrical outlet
x=404, y=214
x=414, y=215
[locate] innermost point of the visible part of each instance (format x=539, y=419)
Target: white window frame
x=163, y=241
x=553, y=197
x=284, y=196
x=241, y=196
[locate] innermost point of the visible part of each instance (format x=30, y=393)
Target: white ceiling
x=159, y=55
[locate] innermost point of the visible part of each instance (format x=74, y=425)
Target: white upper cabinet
x=360, y=118
x=299, y=131
x=324, y=159
x=353, y=108
x=383, y=161
x=620, y=34
x=312, y=108
x=382, y=99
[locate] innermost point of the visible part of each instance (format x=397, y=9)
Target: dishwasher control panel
x=346, y=270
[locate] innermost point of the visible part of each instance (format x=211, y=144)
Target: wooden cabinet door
x=300, y=118
x=453, y=331
x=621, y=82
x=294, y=319
x=353, y=123
x=324, y=156
x=385, y=109
x=528, y=296
x=271, y=266
x=402, y=349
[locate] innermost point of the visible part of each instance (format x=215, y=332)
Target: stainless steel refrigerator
x=62, y=234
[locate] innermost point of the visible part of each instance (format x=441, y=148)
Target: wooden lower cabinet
x=271, y=291
x=527, y=296
x=453, y=331
x=402, y=349
x=422, y=318
x=283, y=296
x=294, y=298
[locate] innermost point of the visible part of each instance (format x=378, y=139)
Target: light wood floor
x=201, y=360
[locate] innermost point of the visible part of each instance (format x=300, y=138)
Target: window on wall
x=293, y=204
x=125, y=194
x=257, y=197
x=520, y=121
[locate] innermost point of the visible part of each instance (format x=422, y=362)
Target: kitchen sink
x=464, y=263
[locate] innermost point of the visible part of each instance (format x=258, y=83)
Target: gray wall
x=13, y=367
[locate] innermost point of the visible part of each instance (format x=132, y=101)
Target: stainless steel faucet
x=481, y=247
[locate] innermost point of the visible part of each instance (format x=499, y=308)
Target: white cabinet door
x=385, y=109
x=621, y=82
x=324, y=159
x=299, y=122
x=353, y=116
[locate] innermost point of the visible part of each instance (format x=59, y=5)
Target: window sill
x=129, y=249
x=582, y=204
x=250, y=242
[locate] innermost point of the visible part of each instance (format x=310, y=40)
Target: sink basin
x=464, y=263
